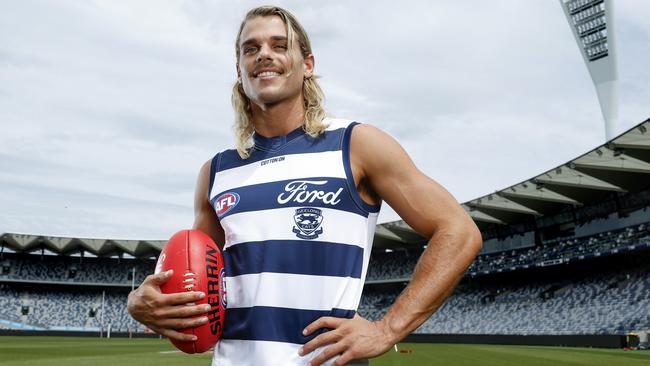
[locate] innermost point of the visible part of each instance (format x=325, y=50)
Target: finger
x=328, y=353
x=343, y=359
x=172, y=334
x=159, y=278
x=181, y=298
x=323, y=322
x=322, y=340
x=181, y=323
x=184, y=311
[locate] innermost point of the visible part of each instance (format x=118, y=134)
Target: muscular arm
x=431, y=211
x=167, y=314
x=383, y=170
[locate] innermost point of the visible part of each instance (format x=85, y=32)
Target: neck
x=278, y=119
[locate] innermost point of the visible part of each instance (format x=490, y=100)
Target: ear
x=308, y=66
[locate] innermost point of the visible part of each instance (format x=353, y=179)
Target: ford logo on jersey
x=299, y=191
x=308, y=220
x=226, y=202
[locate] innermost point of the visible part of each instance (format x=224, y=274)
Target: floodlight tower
x=592, y=24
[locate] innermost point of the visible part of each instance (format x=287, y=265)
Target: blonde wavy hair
x=312, y=93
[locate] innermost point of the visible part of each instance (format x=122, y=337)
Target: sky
x=109, y=108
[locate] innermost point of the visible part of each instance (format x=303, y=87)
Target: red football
x=198, y=266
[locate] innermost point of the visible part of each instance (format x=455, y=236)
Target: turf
x=72, y=351
x=69, y=351
x=492, y=355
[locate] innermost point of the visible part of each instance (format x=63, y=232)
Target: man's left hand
x=349, y=339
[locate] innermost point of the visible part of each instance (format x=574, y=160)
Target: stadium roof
x=98, y=247
x=620, y=165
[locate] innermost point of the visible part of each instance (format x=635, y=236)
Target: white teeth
x=268, y=73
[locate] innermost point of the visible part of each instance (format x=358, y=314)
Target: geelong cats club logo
x=308, y=222
x=226, y=202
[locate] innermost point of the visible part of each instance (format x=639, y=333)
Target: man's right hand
x=165, y=314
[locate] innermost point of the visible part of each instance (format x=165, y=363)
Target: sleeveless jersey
x=297, y=242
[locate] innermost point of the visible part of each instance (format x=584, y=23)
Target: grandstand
x=565, y=252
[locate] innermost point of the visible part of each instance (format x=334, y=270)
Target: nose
x=264, y=53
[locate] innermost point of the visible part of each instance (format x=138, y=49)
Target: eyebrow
x=254, y=40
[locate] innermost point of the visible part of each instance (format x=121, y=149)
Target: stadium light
x=592, y=24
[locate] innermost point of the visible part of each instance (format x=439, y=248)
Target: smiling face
x=269, y=71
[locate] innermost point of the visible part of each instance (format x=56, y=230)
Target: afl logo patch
x=226, y=202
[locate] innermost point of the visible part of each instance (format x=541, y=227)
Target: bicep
x=205, y=219
x=421, y=202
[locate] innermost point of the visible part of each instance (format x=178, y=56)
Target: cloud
x=112, y=107
x=44, y=209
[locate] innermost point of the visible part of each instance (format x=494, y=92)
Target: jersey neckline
x=277, y=142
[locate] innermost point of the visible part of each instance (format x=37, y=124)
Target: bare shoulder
x=205, y=218
x=204, y=172
x=364, y=134
x=203, y=183
x=420, y=201
x=374, y=151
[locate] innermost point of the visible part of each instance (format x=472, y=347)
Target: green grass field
x=68, y=351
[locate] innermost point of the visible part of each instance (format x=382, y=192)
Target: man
x=298, y=236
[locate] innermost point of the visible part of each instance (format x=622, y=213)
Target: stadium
x=565, y=262
x=563, y=277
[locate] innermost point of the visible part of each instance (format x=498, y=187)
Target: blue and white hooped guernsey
x=298, y=241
